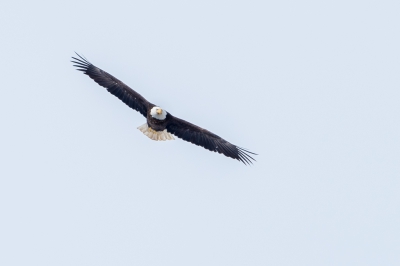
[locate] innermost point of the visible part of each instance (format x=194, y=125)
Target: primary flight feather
x=160, y=124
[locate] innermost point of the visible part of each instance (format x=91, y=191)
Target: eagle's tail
x=155, y=135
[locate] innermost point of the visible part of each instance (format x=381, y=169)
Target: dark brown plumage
x=180, y=128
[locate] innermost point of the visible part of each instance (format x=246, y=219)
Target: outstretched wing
x=130, y=97
x=204, y=138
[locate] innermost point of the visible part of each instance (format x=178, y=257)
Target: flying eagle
x=160, y=124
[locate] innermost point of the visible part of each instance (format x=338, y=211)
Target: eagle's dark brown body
x=156, y=124
x=180, y=128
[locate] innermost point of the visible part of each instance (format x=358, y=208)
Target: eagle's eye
x=159, y=111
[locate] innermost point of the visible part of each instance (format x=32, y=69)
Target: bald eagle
x=161, y=124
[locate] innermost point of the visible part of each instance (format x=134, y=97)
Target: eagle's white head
x=158, y=113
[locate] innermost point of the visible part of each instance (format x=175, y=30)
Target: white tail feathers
x=155, y=135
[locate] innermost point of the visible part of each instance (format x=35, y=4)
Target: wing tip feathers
x=82, y=64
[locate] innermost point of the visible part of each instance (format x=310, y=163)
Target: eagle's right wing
x=206, y=139
x=113, y=85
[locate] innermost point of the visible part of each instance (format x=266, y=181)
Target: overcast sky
x=311, y=86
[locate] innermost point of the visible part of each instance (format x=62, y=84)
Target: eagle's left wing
x=116, y=87
x=204, y=138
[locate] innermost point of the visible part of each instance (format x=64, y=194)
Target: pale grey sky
x=311, y=86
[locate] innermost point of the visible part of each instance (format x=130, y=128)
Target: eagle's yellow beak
x=159, y=111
